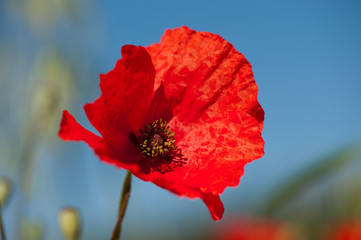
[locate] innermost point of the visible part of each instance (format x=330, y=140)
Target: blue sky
x=306, y=58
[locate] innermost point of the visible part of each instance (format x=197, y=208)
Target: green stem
x=2, y=231
x=122, y=206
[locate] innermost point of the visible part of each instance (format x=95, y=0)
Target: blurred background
x=306, y=58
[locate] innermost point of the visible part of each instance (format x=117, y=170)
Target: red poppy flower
x=349, y=230
x=182, y=114
x=251, y=228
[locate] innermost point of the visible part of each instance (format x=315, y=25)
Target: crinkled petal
x=216, y=152
x=204, y=73
x=172, y=181
x=126, y=96
x=218, y=149
x=216, y=115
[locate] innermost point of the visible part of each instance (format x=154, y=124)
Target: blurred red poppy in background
x=250, y=228
x=350, y=230
x=182, y=114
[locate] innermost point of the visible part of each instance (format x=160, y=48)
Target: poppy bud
x=69, y=223
x=4, y=190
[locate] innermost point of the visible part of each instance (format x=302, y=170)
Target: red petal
x=126, y=95
x=160, y=107
x=71, y=130
x=218, y=149
x=216, y=116
x=216, y=152
x=215, y=206
x=204, y=73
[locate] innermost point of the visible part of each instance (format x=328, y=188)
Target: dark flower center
x=156, y=140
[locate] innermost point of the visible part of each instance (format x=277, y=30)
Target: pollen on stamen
x=156, y=140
